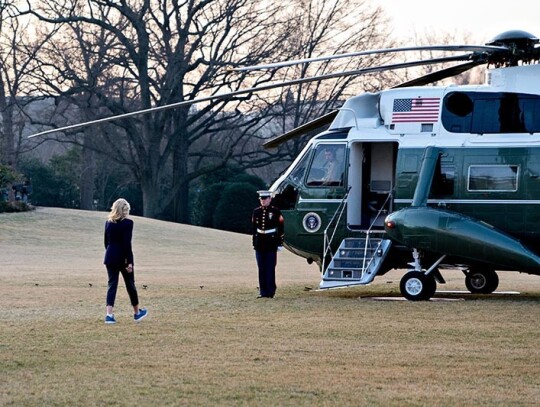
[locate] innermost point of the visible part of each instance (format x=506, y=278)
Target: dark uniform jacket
x=268, y=228
x=118, y=243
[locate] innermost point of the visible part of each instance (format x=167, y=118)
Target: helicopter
x=423, y=178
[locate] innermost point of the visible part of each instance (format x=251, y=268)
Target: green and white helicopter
x=420, y=178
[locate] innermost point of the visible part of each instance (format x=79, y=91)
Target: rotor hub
x=520, y=46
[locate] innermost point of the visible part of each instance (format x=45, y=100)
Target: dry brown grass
x=208, y=341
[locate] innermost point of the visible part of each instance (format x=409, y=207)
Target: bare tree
x=17, y=53
x=327, y=28
x=125, y=56
x=113, y=57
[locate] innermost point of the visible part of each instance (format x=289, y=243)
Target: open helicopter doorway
x=372, y=167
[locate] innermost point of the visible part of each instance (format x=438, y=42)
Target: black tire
x=416, y=286
x=481, y=281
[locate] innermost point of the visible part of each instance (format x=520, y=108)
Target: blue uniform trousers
x=266, y=261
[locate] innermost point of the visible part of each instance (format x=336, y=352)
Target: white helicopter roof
x=421, y=104
x=522, y=79
x=415, y=112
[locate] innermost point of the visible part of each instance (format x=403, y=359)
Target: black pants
x=266, y=262
x=129, y=279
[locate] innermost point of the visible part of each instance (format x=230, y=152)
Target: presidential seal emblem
x=312, y=222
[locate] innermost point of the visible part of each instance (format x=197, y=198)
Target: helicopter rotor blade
x=452, y=48
x=374, y=69
x=144, y=111
x=440, y=75
x=304, y=128
x=259, y=89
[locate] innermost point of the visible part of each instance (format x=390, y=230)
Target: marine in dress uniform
x=268, y=232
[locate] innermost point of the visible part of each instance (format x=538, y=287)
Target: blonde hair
x=120, y=210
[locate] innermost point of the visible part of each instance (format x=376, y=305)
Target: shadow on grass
x=394, y=294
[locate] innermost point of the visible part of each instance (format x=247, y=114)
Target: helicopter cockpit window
x=297, y=174
x=493, y=178
x=328, y=166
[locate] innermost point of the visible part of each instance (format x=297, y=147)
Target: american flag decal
x=418, y=110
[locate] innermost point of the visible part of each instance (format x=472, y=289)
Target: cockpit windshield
x=299, y=171
x=328, y=166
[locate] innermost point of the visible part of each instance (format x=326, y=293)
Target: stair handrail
x=326, y=242
x=369, y=232
x=380, y=211
x=365, y=254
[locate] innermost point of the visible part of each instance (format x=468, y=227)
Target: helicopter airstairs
x=356, y=262
x=358, y=259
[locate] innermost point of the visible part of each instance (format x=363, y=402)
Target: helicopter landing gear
x=417, y=285
x=481, y=280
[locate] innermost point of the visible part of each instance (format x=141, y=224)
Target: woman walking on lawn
x=119, y=258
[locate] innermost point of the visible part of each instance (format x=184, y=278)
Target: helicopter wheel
x=416, y=286
x=481, y=281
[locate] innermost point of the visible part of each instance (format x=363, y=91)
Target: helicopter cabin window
x=491, y=113
x=493, y=178
x=328, y=166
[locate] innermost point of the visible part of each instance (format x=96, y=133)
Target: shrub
x=233, y=212
x=15, y=206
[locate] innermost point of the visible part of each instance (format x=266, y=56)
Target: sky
x=483, y=19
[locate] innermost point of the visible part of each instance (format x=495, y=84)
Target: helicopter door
x=371, y=178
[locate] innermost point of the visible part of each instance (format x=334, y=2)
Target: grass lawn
x=209, y=341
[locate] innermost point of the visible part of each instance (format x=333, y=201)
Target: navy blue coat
x=118, y=243
x=264, y=219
